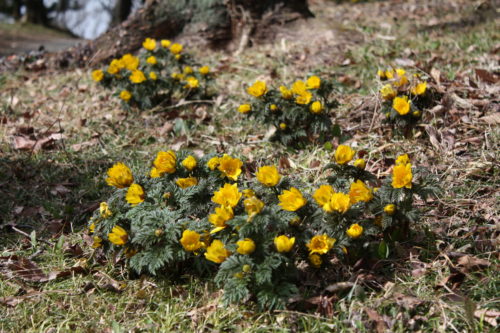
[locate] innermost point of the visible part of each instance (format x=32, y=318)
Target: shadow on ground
x=49, y=197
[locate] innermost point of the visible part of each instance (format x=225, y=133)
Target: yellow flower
x=176, y=48
x=339, y=202
x=213, y=163
x=92, y=228
x=104, y=210
x=403, y=159
x=216, y=252
x=189, y=163
x=230, y=167
x=130, y=62
x=304, y=98
x=323, y=195
x=220, y=217
x=227, y=195
x=257, y=89
x=354, y=231
x=135, y=194
x=245, y=246
x=119, y=175
x=273, y=107
x=115, y=66
x=286, y=93
x=165, y=43
x=360, y=192
x=137, y=76
x=118, y=236
x=402, y=77
x=248, y=193
x=190, y=241
x=390, y=209
x=192, y=83
x=283, y=243
x=153, y=76
x=205, y=70
x=320, y=244
x=313, y=82
x=186, y=182
x=253, y=206
x=151, y=60
x=244, y=108
x=401, y=105
x=97, y=75
x=315, y=260
x=178, y=57
x=344, y=154
x=419, y=89
x=402, y=176
x=360, y=163
x=291, y=200
x=165, y=162
x=149, y=44
x=125, y=95
x=299, y=87
x=177, y=76
x=388, y=92
x=316, y=107
x=187, y=70
x=268, y=175
x=97, y=242
x=154, y=173
x=381, y=74
x=389, y=74
x=282, y=126
x=416, y=113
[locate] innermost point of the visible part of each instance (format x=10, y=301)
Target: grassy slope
x=463, y=220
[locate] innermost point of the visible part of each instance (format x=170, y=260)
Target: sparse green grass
x=462, y=221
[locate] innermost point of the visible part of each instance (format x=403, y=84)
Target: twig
x=27, y=235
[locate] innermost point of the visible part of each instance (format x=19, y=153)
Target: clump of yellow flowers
x=254, y=230
x=161, y=71
x=300, y=112
x=405, y=96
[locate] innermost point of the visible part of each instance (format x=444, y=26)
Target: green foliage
x=404, y=98
x=160, y=74
x=198, y=216
x=300, y=114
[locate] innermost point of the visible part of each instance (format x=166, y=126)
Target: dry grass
x=427, y=287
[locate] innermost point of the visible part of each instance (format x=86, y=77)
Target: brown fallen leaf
x=20, y=267
x=486, y=76
x=284, y=163
x=79, y=146
x=406, y=301
x=22, y=142
x=455, y=279
x=380, y=326
x=470, y=263
x=12, y=301
x=492, y=119
x=489, y=316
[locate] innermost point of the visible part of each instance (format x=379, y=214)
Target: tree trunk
x=228, y=24
x=121, y=11
x=16, y=9
x=36, y=12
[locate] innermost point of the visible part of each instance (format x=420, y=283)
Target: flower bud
x=360, y=163
x=390, y=209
